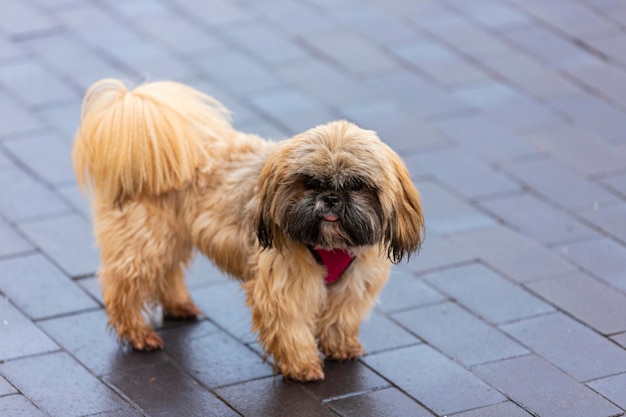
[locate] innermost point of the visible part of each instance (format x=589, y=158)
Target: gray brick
x=617, y=183
x=435, y=253
x=47, y=156
x=64, y=118
x=507, y=409
x=201, y=272
x=20, y=19
x=476, y=179
x=509, y=106
x=459, y=334
x=78, y=199
x=516, y=256
x=28, y=198
x=293, y=108
x=610, y=219
x=560, y=185
x=397, y=127
x=379, y=333
x=572, y=347
x=352, y=52
x=608, y=79
x=6, y=388
x=578, y=149
x=68, y=241
x=587, y=299
x=447, y=214
x=88, y=339
x=39, y=289
x=483, y=137
x=487, y=294
x=11, y=242
x=440, y=63
x=33, y=84
x=294, y=18
x=20, y=336
x=220, y=13
x=604, y=258
x=10, y=49
x=379, y=403
x=441, y=385
x=18, y=405
x=493, y=14
x=538, y=220
x=14, y=118
x=406, y=291
x=544, y=390
x=613, y=47
x=613, y=388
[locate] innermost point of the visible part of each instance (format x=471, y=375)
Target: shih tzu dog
x=310, y=225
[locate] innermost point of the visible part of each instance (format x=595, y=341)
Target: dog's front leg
x=285, y=303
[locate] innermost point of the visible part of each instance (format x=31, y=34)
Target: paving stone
x=76, y=198
x=440, y=62
x=33, y=84
x=508, y=409
x=29, y=199
x=435, y=253
x=47, y=156
x=202, y=272
x=539, y=81
x=213, y=357
x=463, y=35
x=559, y=395
x=22, y=337
x=20, y=19
x=617, y=183
x=220, y=13
x=425, y=98
x=448, y=214
x=264, y=128
x=508, y=106
x=272, y=397
x=483, y=137
x=294, y=18
x=239, y=111
x=476, y=179
x=602, y=257
x=266, y=43
x=612, y=47
x=352, y=52
x=65, y=118
x=487, y=294
x=293, y=108
x=586, y=299
x=571, y=346
x=493, y=14
x=397, y=127
x=613, y=388
x=326, y=83
x=578, y=149
x=6, y=388
x=5, y=162
x=163, y=390
x=225, y=305
x=538, y=220
x=343, y=378
x=593, y=114
x=75, y=392
x=610, y=219
x=10, y=49
x=39, y=289
x=379, y=333
x=14, y=118
x=560, y=185
x=459, y=334
x=11, y=242
x=441, y=385
x=92, y=287
x=550, y=48
x=18, y=405
x=515, y=256
x=602, y=76
x=405, y=291
x=68, y=240
x=379, y=403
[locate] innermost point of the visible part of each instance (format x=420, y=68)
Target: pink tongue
x=331, y=218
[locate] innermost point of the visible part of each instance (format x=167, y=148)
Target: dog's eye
x=311, y=183
x=354, y=185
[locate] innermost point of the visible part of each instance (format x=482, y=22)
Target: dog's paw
x=344, y=352
x=149, y=341
x=306, y=373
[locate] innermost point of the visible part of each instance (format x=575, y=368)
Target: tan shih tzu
x=310, y=225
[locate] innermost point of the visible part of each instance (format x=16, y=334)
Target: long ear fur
x=268, y=231
x=146, y=141
x=405, y=225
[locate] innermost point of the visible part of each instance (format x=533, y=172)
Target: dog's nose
x=332, y=200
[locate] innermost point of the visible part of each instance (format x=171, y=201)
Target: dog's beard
x=358, y=222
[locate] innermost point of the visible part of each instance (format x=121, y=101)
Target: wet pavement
x=511, y=117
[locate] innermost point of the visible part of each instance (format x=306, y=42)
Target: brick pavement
x=511, y=115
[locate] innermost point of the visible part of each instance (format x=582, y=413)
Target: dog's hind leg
x=175, y=298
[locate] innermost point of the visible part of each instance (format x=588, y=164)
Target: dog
x=310, y=225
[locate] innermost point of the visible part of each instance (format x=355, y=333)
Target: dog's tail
x=145, y=141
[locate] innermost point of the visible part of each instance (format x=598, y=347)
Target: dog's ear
x=267, y=231
x=405, y=227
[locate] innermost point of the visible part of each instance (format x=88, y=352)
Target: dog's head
x=337, y=186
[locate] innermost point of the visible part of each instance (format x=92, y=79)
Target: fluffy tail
x=146, y=141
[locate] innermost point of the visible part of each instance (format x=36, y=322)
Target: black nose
x=332, y=200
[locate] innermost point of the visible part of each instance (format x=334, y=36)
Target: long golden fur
x=169, y=173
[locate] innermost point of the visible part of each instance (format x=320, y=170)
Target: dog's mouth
x=330, y=218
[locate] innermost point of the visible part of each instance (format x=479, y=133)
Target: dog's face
x=338, y=186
